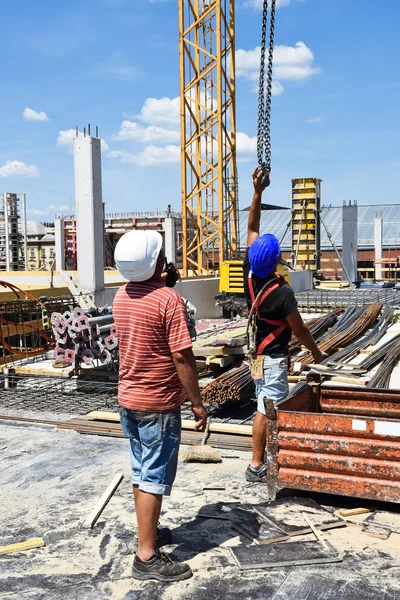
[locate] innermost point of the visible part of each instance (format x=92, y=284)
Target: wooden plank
x=95, y=513
x=221, y=361
x=22, y=546
x=315, y=531
x=225, y=335
x=351, y=512
x=218, y=351
x=98, y=415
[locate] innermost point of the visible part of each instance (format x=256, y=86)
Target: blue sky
x=114, y=63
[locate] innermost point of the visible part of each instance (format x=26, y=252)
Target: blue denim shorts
x=275, y=385
x=154, y=440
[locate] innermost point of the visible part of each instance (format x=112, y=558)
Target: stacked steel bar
x=379, y=354
x=353, y=323
x=232, y=385
x=317, y=327
x=83, y=337
x=382, y=378
x=371, y=339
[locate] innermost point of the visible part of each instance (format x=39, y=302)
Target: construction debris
x=22, y=546
x=95, y=513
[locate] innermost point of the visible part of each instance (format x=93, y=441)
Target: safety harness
x=281, y=324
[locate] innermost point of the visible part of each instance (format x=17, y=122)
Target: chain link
x=265, y=91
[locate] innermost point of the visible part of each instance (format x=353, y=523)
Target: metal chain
x=265, y=92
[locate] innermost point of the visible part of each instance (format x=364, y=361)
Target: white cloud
x=50, y=209
x=245, y=144
x=294, y=62
x=277, y=88
x=316, y=119
x=31, y=115
x=150, y=156
x=291, y=63
x=17, y=169
x=36, y=211
x=131, y=131
x=66, y=138
x=160, y=111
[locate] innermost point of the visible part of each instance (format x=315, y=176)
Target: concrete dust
x=51, y=479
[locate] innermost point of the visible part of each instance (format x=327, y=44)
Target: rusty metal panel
x=355, y=454
x=374, y=402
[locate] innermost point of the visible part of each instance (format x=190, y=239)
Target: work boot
x=161, y=568
x=164, y=537
x=256, y=475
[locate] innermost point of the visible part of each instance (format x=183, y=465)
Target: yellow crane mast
x=208, y=134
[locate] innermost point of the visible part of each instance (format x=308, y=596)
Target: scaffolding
x=13, y=244
x=208, y=133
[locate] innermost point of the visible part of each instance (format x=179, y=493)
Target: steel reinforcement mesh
x=75, y=396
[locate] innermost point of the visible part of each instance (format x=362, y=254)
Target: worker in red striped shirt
x=157, y=373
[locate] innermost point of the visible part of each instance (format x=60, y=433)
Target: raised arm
x=253, y=228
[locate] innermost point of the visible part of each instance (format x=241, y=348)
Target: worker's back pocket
x=150, y=428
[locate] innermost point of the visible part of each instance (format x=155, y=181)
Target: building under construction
x=324, y=521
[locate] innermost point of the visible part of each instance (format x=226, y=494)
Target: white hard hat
x=136, y=254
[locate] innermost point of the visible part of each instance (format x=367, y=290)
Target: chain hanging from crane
x=265, y=93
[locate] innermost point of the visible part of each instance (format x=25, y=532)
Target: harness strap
x=280, y=323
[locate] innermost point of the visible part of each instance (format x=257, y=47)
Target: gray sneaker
x=164, y=538
x=161, y=568
x=258, y=475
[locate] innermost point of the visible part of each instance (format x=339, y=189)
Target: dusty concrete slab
x=50, y=480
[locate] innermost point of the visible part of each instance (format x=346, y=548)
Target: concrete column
x=89, y=212
x=60, y=247
x=378, y=239
x=170, y=238
x=350, y=240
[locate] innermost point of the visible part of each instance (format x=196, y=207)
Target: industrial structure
x=305, y=223
x=13, y=244
x=208, y=134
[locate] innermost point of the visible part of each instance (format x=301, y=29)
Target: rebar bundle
x=353, y=323
x=379, y=354
x=232, y=385
x=82, y=337
x=382, y=378
x=317, y=327
x=371, y=339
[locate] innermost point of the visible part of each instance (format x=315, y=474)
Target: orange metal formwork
x=337, y=441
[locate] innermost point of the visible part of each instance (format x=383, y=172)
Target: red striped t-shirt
x=151, y=325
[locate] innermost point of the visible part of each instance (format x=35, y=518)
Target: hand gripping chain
x=265, y=93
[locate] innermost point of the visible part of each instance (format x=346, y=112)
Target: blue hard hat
x=264, y=253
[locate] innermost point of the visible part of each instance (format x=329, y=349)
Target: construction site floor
x=50, y=480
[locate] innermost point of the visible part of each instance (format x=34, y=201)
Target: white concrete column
x=350, y=241
x=378, y=239
x=60, y=245
x=170, y=238
x=89, y=212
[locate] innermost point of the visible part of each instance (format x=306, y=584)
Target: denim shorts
x=275, y=385
x=154, y=439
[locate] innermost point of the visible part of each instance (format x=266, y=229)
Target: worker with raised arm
x=157, y=373
x=273, y=317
